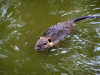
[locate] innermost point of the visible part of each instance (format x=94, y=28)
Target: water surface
x=22, y=22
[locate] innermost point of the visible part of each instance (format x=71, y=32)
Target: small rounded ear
x=49, y=40
x=39, y=37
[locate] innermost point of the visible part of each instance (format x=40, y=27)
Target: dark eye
x=45, y=43
x=49, y=40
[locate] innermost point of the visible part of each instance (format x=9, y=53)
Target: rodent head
x=43, y=43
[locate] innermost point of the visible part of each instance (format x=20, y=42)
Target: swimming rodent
x=56, y=33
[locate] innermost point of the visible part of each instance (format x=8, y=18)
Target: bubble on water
x=64, y=52
x=52, y=49
x=1, y=41
x=64, y=74
x=97, y=49
x=16, y=48
x=99, y=35
x=4, y=11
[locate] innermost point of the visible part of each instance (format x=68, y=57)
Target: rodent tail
x=84, y=17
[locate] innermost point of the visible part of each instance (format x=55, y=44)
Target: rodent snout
x=37, y=48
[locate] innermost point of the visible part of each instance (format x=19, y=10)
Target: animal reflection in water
x=57, y=33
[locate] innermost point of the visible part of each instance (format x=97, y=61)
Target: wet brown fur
x=57, y=32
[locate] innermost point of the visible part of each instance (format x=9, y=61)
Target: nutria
x=56, y=33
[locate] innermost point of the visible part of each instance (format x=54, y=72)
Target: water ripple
x=96, y=9
x=3, y=56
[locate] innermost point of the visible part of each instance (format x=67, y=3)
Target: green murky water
x=23, y=21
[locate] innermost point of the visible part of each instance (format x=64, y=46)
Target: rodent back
x=59, y=30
